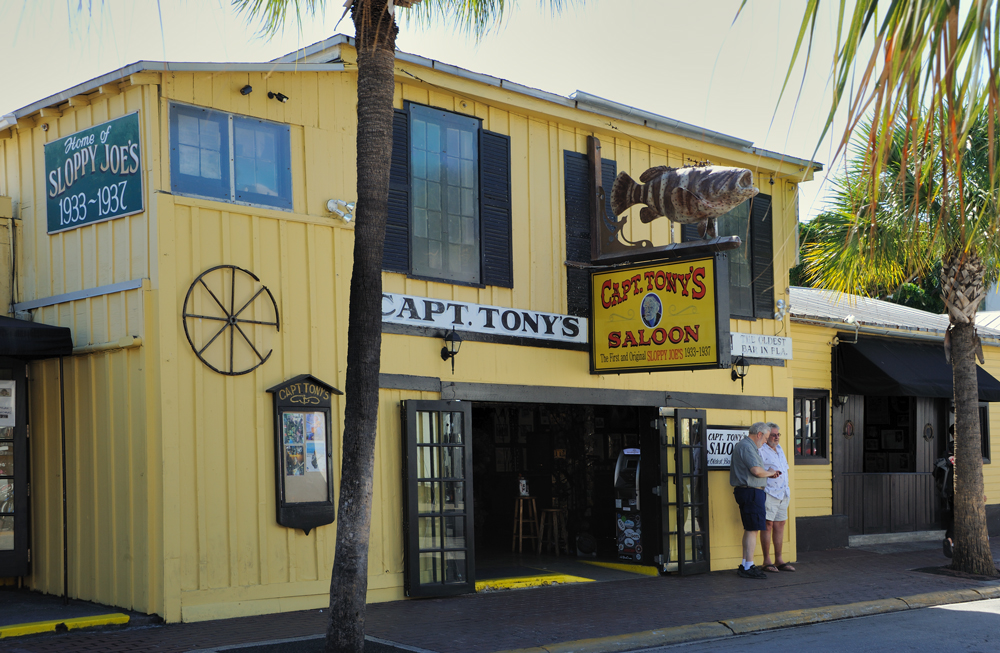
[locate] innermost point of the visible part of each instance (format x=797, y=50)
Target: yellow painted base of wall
x=205, y=605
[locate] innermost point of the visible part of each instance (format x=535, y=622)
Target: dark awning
x=900, y=368
x=28, y=340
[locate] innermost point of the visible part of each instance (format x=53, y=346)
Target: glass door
x=14, y=557
x=438, y=522
x=684, y=492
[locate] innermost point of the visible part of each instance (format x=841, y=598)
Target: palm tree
x=929, y=183
x=375, y=40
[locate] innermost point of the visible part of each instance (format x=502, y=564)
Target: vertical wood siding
x=810, y=368
x=111, y=517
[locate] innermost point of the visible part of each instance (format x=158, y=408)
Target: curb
x=33, y=628
x=744, y=625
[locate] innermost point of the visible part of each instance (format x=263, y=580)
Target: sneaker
x=754, y=572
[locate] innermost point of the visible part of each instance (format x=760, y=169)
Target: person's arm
x=760, y=472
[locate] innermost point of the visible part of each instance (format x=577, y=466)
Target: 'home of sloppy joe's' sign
x=94, y=175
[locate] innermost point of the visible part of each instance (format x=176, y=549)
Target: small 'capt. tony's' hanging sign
x=94, y=175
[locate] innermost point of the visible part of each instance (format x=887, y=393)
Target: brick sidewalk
x=482, y=623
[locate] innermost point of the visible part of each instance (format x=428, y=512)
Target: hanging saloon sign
x=94, y=175
x=661, y=316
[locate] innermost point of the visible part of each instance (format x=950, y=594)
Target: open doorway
x=566, y=454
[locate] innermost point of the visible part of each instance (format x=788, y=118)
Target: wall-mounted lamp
x=280, y=97
x=840, y=400
x=246, y=90
x=340, y=208
x=739, y=371
x=452, y=343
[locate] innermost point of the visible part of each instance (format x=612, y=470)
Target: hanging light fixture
x=452, y=343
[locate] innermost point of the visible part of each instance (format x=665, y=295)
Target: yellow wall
x=112, y=514
x=810, y=369
x=171, y=474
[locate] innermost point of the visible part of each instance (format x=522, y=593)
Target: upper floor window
x=231, y=158
x=751, y=271
x=810, y=423
x=449, y=199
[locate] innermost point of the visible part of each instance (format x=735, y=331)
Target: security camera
x=849, y=319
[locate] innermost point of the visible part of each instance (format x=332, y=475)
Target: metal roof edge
x=885, y=331
x=159, y=66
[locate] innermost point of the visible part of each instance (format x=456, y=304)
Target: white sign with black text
x=7, y=417
x=447, y=314
x=721, y=440
x=753, y=345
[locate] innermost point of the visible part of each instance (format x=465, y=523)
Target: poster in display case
x=303, y=442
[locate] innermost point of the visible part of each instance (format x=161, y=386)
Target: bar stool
x=525, y=512
x=556, y=534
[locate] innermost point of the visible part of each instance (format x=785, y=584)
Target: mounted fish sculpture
x=688, y=195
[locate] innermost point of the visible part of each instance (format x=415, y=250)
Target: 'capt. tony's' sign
x=94, y=175
x=660, y=316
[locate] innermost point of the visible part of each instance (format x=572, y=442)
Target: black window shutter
x=576, y=174
x=689, y=232
x=762, y=222
x=495, y=208
x=396, y=257
x=576, y=170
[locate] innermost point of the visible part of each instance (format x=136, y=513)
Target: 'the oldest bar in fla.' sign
x=660, y=316
x=94, y=174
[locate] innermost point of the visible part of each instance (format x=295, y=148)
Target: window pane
x=6, y=496
x=430, y=568
x=7, y=533
x=454, y=532
x=454, y=564
x=737, y=223
x=448, y=247
x=454, y=495
x=429, y=532
x=6, y=458
x=427, y=497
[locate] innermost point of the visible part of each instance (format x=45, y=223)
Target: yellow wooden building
x=152, y=204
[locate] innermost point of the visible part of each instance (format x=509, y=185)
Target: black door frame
x=17, y=562
x=437, y=453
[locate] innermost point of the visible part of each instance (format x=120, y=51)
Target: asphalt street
x=972, y=627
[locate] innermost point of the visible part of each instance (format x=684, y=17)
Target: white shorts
x=776, y=509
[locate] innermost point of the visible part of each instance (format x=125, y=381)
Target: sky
x=690, y=61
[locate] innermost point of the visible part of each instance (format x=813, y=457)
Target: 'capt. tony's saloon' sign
x=660, y=316
x=94, y=175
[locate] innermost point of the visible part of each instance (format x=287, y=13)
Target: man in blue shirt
x=748, y=478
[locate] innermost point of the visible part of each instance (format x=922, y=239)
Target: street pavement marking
x=15, y=630
x=528, y=581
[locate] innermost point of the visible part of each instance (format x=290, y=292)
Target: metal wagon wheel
x=231, y=318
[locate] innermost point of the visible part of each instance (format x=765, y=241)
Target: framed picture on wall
x=893, y=439
x=871, y=444
x=877, y=410
x=899, y=462
x=876, y=463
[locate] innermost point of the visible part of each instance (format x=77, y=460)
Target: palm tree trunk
x=375, y=32
x=962, y=281
x=972, y=543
